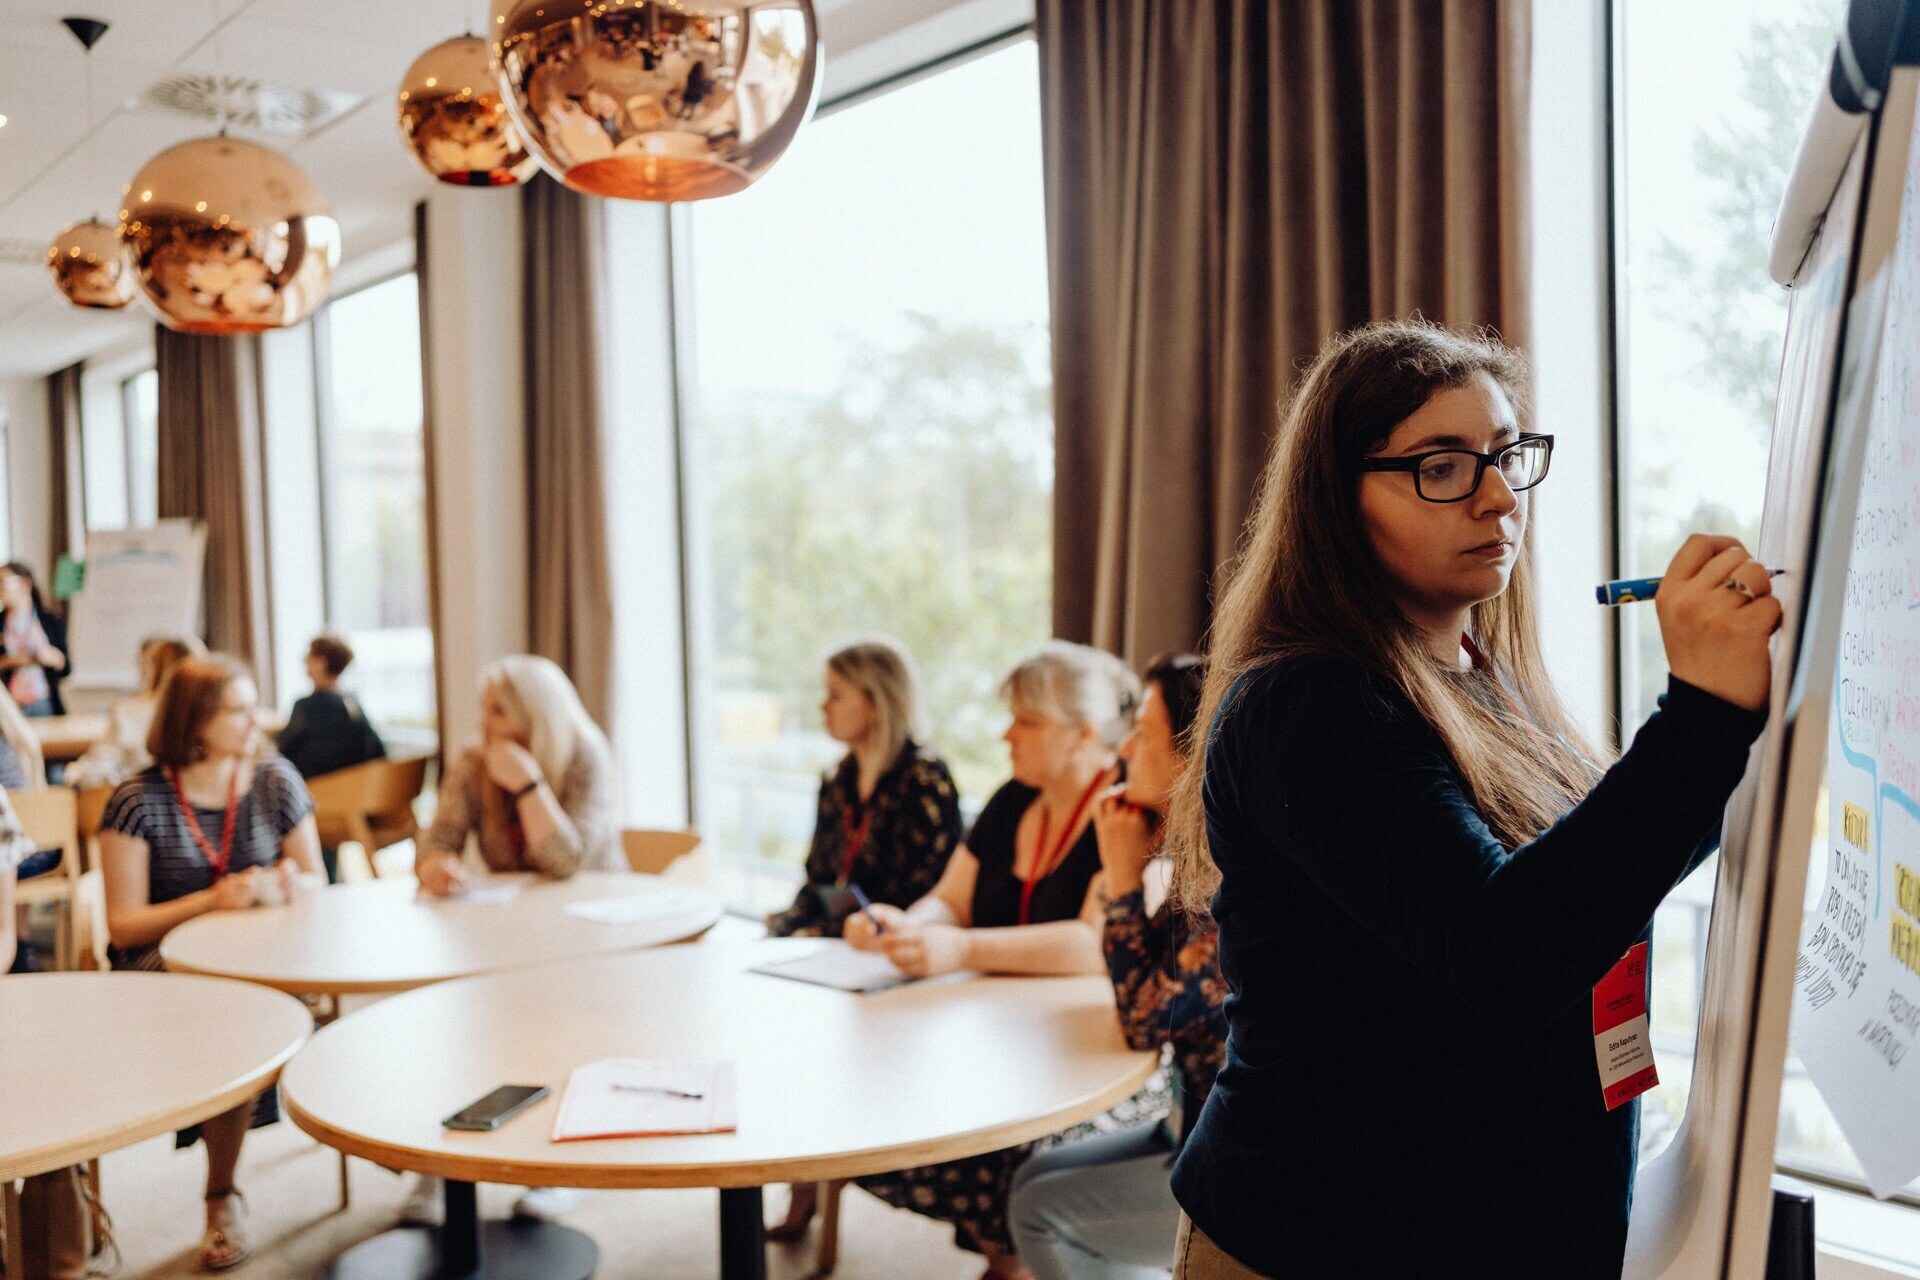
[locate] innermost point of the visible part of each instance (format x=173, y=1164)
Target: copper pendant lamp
x=455, y=122
x=84, y=261
x=663, y=100
x=226, y=236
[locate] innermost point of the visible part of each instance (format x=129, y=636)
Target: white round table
x=831, y=1084
x=385, y=936
x=92, y=1062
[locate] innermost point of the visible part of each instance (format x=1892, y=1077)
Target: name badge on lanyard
x=1622, y=1043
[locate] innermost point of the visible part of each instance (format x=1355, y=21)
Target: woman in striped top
x=213, y=825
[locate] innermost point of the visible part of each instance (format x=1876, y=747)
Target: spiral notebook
x=640, y=1098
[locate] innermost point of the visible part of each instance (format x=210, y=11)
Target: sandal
x=227, y=1242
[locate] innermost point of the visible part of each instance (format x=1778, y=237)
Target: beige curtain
x=1228, y=183
x=68, y=506
x=210, y=470
x=569, y=548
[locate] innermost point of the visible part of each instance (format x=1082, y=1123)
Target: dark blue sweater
x=1410, y=1085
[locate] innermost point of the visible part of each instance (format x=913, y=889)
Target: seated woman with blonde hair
x=888, y=816
x=887, y=821
x=1018, y=896
x=536, y=793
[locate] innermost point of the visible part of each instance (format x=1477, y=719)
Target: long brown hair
x=1306, y=581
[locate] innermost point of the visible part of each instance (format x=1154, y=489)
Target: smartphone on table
x=498, y=1107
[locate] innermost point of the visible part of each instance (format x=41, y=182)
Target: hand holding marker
x=1628, y=590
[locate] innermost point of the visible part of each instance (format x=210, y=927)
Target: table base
x=743, y=1234
x=468, y=1249
x=513, y=1250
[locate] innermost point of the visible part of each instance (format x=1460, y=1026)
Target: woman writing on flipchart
x=1430, y=889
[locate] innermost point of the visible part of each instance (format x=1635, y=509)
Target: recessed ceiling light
x=3, y=122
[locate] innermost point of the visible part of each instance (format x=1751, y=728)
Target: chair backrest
x=652, y=852
x=393, y=785
x=339, y=800
x=90, y=920
x=50, y=818
x=90, y=807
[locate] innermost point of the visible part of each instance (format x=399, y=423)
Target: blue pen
x=1627, y=590
x=866, y=908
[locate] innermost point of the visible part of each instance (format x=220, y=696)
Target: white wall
x=29, y=471
x=1573, y=522
x=477, y=451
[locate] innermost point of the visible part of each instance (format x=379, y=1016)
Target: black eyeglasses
x=1454, y=475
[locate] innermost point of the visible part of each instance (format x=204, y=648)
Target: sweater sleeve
x=585, y=794
x=1342, y=777
x=1151, y=989
x=457, y=813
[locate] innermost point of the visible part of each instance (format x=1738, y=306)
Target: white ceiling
x=54, y=170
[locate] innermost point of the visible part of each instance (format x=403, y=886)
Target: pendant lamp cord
x=221, y=88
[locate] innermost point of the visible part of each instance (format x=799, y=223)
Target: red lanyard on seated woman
x=853, y=838
x=1043, y=866
x=218, y=861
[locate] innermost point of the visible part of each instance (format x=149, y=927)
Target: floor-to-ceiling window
x=372, y=474
x=868, y=441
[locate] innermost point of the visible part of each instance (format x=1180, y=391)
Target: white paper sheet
x=658, y=903
x=839, y=966
x=635, y=1098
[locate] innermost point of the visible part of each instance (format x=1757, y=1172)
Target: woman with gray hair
x=1017, y=897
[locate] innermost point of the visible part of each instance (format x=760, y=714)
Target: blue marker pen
x=866, y=908
x=1628, y=590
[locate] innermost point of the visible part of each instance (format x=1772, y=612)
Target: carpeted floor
x=293, y=1184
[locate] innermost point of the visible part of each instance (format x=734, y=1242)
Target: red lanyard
x=853, y=839
x=1041, y=869
x=218, y=861
x=1573, y=790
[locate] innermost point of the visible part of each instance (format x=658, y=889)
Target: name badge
x=1622, y=1043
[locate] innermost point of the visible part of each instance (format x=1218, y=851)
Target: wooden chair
x=90, y=920
x=50, y=818
x=90, y=808
x=652, y=852
x=826, y=1255
x=369, y=804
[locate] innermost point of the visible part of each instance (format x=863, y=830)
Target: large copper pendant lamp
x=84, y=261
x=657, y=99
x=225, y=236
x=455, y=122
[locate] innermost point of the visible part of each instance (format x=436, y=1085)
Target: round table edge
x=81, y=1150
x=394, y=986
x=731, y=1174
